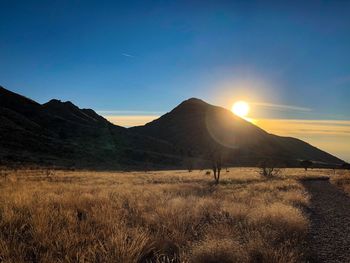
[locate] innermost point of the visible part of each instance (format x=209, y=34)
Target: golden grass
x=342, y=180
x=168, y=216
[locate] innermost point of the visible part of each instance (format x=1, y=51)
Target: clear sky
x=289, y=60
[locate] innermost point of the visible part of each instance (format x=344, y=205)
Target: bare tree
x=268, y=169
x=189, y=164
x=216, y=159
x=216, y=167
x=189, y=161
x=306, y=164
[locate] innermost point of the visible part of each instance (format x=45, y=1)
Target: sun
x=240, y=108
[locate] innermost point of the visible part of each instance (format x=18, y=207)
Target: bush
x=268, y=169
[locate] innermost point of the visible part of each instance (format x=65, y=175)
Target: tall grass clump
x=342, y=180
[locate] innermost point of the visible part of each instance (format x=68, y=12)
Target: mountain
x=195, y=127
x=61, y=134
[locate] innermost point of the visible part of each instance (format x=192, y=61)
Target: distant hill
x=62, y=134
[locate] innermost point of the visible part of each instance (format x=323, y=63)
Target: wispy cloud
x=128, y=112
x=127, y=55
x=131, y=120
x=287, y=127
x=281, y=106
x=330, y=135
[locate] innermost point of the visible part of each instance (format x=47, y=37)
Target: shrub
x=268, y=169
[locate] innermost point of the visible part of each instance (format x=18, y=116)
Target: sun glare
x=240, y=108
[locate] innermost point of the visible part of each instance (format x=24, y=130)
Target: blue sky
x=148, y=56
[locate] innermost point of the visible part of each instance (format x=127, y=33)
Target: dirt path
x=329, y=236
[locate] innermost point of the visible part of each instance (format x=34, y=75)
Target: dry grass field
x=342, y=180
x=168, y=216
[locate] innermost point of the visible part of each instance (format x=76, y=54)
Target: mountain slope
x=195, y=126
x=59, y=133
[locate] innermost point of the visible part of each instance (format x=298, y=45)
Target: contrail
x=127, y=55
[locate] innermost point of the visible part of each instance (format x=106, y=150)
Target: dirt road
x=329, y=236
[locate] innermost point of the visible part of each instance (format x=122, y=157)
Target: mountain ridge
x=60, y=133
